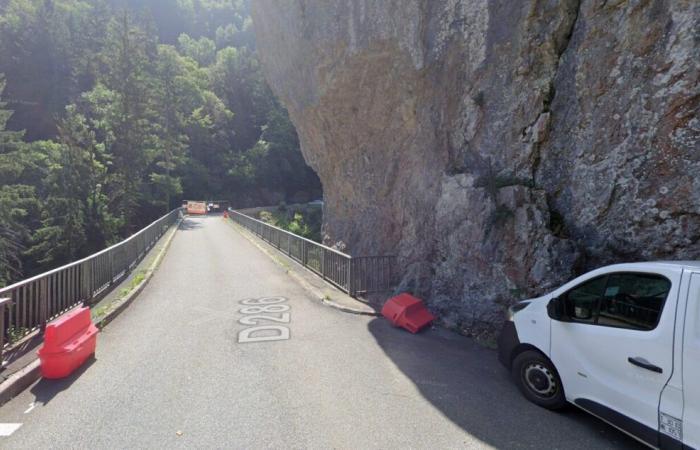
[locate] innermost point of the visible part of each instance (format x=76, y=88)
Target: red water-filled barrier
x=408, y=312
x=68, y=342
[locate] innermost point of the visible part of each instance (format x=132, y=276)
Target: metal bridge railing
x=28, y=305
x=355, y=275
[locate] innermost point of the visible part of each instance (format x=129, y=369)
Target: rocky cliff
x=497, y=147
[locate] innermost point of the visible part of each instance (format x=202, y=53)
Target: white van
x=621, y=342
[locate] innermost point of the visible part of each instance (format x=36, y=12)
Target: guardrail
x=355, y=275
x=35, y=301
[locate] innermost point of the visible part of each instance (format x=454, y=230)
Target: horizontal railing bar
x=351, y=274
x=294, y=235
x=87, y=258
x=35, y=301
x=372, y=256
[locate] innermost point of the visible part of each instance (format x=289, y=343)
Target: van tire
x=538, y=380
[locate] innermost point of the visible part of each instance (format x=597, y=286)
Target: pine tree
x=13, y=199
x=128, y=118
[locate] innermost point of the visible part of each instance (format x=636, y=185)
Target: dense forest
x=113, y=111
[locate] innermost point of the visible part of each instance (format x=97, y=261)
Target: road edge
x=123, y=303
x=22, y=379
x=303, y=283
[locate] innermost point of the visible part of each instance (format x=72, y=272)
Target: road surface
x=178, y=370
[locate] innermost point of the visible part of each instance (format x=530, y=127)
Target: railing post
x=111, y=266
x=43, y=301
x=3, y=303
x=352, y=287
x=84, y=270
x=94, y=270
x=323, y=263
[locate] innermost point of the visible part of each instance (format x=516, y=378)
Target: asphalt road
x=170, y=372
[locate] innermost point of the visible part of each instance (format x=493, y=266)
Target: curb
x=348, y=309
x=22, y=379
x=300, y=280
x=131, y=296
x=19, y=381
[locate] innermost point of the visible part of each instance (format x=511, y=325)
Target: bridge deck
x=171, y=372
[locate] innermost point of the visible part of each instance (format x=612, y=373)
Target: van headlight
x=515, y=308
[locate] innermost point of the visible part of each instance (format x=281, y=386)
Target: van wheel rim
x=540, y=380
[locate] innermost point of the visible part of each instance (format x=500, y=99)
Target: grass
x=101, y=311
x=133, y=284
x=15, y=334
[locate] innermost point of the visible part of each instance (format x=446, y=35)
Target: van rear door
x=691, y=366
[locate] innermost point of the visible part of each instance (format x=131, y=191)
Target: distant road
x=170, y=372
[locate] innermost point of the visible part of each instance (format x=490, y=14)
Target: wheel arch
x=522, y=348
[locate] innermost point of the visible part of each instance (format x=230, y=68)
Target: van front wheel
x=538, y=380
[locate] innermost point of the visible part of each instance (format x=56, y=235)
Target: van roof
x=695, y=265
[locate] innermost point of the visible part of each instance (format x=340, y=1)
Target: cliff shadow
x=470, y=387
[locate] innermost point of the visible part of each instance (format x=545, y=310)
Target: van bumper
x=507, y=341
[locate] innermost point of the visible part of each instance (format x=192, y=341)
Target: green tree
x=134, y=125
x=14, y=199
x=202, y=50
x=45, y=49
x=277, y=160
x=169, y=141
x=236, y=78
x=75, y=219
x=82, y=176
x=124, y=116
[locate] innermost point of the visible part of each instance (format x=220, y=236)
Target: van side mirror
x=556, y=309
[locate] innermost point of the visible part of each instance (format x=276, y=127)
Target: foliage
x=118, y=109
x=15, y=199
x=304, y=222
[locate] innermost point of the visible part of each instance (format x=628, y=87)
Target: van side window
x=582, y=301
x=633, y=300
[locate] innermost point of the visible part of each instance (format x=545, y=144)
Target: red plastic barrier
x=408, y=312
x=68, y=342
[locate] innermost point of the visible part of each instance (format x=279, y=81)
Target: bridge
x=227, y=346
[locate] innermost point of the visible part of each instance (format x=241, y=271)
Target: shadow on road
x=468, y=385
x=45, y=390
x=188, y=224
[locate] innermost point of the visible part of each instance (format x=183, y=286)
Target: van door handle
x=644, y=364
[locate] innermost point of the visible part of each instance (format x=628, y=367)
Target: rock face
x=497, y=147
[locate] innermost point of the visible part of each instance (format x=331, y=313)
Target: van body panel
x=532, y=324
x=644, y=380
x=670, y=414
x=593, y=360
x=691, y=366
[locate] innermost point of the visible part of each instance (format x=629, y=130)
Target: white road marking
x=6, y=429
x=32, y=405
x=254, y=309
x=246, y=335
